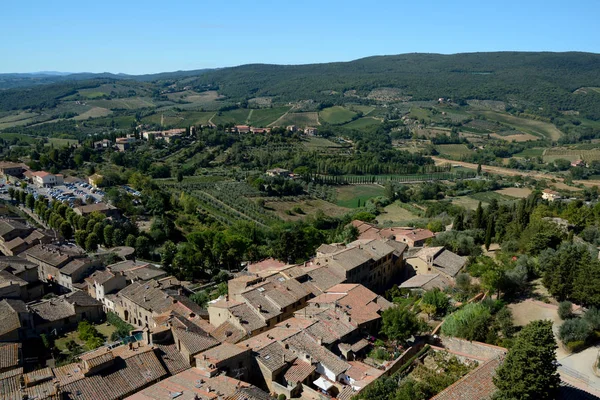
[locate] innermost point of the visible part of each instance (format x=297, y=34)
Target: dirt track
x=511, y=172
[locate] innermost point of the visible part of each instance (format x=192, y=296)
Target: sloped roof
x=449, y=262
x=171, y=358
x=298, y=371
x=476, y=385
x=194, y=342
x=125, y=377
x=248, y=318
x=303, y=344
x=227, y=332
x=275, y=356
x=9, y=355
x=222, y=352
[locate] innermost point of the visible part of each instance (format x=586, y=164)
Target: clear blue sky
x=132, y=36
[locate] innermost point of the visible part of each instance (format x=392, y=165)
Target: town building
x=414, y=237
x=46, y=179
x=372, y=263
x=64, y=265
x=432, y=260
x=64, y=313
x=10, y=169
x=167, y=136
x=125, y=143
x=241, y=129
x=17, y=321
x=95, y=180
x=102, y=208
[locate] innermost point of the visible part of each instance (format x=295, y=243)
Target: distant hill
x=547, y=81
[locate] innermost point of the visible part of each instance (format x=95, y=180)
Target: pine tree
x=529, y=370
x=478, y=224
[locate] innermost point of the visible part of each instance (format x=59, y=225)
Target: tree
x=80, y=237
x=479, y=169
x=91, y=242
x=200, y=298
x=478, y=223
x=574, y=330
x=30, y=201
x=66, y=230
x=142, y=246
x=130, y=241
x=108, y=233
x=565, y=310
x=437, y=300
x=167, y=255
x=529, y=370
x=489, y=232
x=399, y=323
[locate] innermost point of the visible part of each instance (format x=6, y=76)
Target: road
x=512, y=172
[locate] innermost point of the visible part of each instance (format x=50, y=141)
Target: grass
x=59, y=142
x=362, y=123
x=105, y=329
x=572, y=155
x=530, y=153
x=533, y=127
x=336, y=115
x=487, y=197
x=366, y=110
x=348, y=196
x=395, y=214
x=453, y=150
x=419, y=113
x=130, y=103
x=320, y=143
x=237, y=117
x=10, y=136
x=466, y=202
x=301, y=120
x=265, y=116
x=95, y=112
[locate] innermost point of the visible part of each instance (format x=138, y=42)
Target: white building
x=46, y=179
x=550, y=195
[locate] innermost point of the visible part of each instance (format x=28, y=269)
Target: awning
x=323, y=383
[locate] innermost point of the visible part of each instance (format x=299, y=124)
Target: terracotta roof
x=227, y=332
x=415, y=234
x=449, y=262
x=303, y=344
x=75, y=265
x=298, y=371
x=249, y=393
x=189, y=383
x=222, y=352
x=97, y=207
x=269, y=264
x=125, y=377
x=9, y=355
x=476, y=385
x=194, y=342
x=6, y=278
x=147, y=296
x=275, y=356
x=100, y=277
x=426, y=282
x=362, y=374
x=248, y=318
x=81, y=299
x=171, y=358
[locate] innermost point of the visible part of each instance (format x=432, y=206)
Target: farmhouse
x=102, y=208
x=279, y=172
x=550, y=195
x=310, y=131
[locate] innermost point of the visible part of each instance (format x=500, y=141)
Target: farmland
x=301, y=120
x=95, y=112
x=362, y=123
x=536, y=128
x=453, y=150
x=349, y=195
x=487, y=197
x=132, y=103
x=520, y=193
x=572, y=154
x=236, y=117
x=336, y=115
x=285, y=209
x=396, y=215
x=265, y=116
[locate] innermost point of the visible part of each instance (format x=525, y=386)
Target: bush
x=471, y=322
x=437, y=300
x=576, y=346
x=574, y=330
x=281, y=397
x=592, y=317
x=565, y=310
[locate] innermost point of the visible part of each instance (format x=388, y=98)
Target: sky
x=139, y=37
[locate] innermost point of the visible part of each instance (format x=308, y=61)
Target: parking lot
x=67, y=192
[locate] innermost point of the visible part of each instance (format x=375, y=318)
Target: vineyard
x=572, y=155
x=383, y=179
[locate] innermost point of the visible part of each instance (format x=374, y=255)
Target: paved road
x=580, y=366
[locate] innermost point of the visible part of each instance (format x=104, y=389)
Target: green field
x=265, y=116
x=301, y=120
x=395, y=214
x=366, y=110
x=487, y=197
x=59, y=142
x=180, y=119
x=9, y=136
x=95, y=112
x=362, y=123
x=320, y=143
x=533, y=127
x=237, y=117
x=453, y=150
x=530, y=153
x=572, y=155
x=131, y=103
x=348, y=196
x=336, y=115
